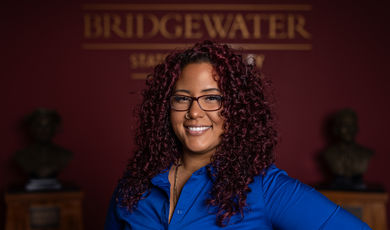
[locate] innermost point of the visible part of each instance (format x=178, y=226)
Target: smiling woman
x=206, y=151
x=198, y=130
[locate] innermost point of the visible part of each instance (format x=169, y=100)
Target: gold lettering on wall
x=239, y=25
x=277, y=26
x=149, y=60
x=189, y=26
x=192, y=26
x=256, y=18
x=176, y=19
x=299, y=27
x=144, y=60
x=255, y=28
x=215, y=26
x=259, y=60
x=92, y=26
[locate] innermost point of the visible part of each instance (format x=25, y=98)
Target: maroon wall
x=43, y=65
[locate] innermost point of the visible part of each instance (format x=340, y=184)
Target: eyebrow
x=203, y=91
x=210, y=89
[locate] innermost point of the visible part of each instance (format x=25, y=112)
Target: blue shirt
x=276, y=202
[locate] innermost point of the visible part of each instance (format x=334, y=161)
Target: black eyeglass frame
x=197, y=100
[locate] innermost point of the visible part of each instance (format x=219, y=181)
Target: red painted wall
x=43, y=65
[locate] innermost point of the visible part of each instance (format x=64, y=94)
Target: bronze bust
x=43, y=160
x=346, y=160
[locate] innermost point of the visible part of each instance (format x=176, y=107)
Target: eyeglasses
x=205, y=102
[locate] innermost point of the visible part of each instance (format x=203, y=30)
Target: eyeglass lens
x=206, y=102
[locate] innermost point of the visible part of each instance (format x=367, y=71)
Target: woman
x=205, y=154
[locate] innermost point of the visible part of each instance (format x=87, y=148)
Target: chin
x=199, y=150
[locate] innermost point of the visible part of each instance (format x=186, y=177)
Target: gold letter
x=133, y=61
x=299, y=27
x=140, y=25
x=217, y=28
x=260, y=60
x=277, y=26
x=115, y=26
x=97, y=24
x=239, y=24
x=192, y=21
x=256, y=23
x=163, y=26
x=129, y=25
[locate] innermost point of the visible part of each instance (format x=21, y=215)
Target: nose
x=195, y=111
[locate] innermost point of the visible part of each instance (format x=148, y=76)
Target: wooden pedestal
x=368, y=206
x=44, y=211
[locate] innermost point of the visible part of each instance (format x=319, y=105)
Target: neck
x=193, y=162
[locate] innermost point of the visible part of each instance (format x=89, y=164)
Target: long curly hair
x=247, y=144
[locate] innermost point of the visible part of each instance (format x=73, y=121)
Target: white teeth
x=198, y=129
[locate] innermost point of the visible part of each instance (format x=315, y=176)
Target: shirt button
x=179, y=211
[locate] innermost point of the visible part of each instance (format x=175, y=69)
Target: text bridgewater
x=196, y=26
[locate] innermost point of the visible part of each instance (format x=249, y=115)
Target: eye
x=213, y=98
x=181, y=99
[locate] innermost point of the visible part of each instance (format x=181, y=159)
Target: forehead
x=197, y=76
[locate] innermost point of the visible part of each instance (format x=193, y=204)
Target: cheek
x=176, y=121
x=218, y=120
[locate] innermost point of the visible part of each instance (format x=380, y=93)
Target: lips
x=197, y=130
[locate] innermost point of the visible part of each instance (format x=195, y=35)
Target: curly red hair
x=247, y=144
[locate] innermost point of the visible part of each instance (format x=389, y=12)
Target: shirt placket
x=189, y=195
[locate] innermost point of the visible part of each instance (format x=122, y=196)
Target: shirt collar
x=161, y=179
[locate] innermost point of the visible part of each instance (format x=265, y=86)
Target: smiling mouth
x=197, y=130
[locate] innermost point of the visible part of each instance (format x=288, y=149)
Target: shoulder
x=279, y=189
x=291, y=204
x=278, y=186
x=273, y=177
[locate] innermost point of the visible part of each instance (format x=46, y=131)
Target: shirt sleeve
x=291, y=204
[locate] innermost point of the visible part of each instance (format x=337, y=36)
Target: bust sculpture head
x=345, y=126
x=42, y=124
